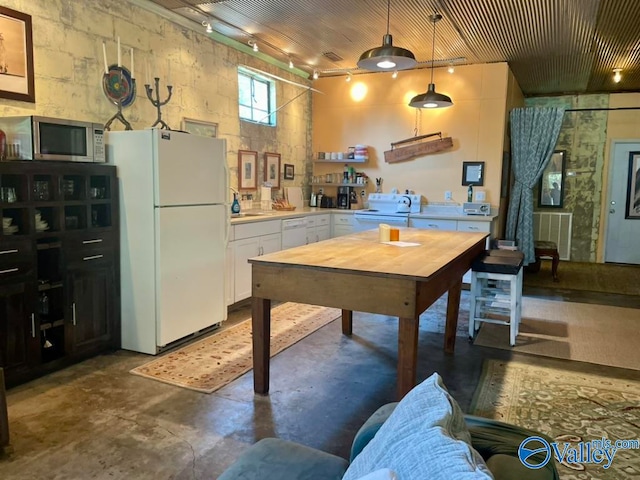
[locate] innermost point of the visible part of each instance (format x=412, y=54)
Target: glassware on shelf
x=43, y=304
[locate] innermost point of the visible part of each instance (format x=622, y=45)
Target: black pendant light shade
x=387, y=57
x=431, y=98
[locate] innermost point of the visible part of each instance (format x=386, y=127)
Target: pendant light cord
x=388, y=14
x=433, y=44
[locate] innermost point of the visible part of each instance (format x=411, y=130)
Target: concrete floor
x=95, y=420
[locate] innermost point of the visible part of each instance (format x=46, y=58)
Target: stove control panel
x=389, y=202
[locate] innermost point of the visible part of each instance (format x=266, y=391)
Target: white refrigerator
x=174, y=223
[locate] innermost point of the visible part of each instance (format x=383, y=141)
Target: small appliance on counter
x=44, y=138
x=344, y=198
x=327, y=202
x=476, y=208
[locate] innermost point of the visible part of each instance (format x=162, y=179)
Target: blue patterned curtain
x=534, y=133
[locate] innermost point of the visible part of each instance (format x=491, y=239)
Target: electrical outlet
x=480, y=196
x=447, y=195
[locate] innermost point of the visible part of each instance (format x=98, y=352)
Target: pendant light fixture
x=387, y=57
x=431, y=99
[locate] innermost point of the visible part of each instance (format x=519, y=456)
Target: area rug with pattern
x=220, y=358
x=600, y=334
x=571, y=408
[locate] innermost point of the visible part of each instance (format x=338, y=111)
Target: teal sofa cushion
x=276, y=459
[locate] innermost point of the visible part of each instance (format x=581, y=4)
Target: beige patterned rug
x=568, y=406
x=220, y=358
x=599, y=334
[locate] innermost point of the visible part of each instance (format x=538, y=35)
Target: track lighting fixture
x=387, y=57
x=208, y=28
x=315, y=74
x=617, y=76
x=290, y=63
x=394, y=74
x=348, y=77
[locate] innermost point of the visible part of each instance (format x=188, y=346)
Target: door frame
x=604, y=213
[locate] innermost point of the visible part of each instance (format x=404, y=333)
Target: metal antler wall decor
x=157, y=103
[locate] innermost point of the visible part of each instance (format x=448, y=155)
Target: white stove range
x=390, y=208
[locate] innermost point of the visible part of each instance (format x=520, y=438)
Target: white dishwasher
x=294, y=232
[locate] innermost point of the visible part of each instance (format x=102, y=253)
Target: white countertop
x=444, y=212
x=258, y=215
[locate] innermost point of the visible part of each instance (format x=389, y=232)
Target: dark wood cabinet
x=92, y=304
x=59, y=266
x=19, y=347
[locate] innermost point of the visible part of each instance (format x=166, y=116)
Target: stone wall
x=68, y=64
x=584, y=137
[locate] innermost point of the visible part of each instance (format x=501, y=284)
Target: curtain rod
x=600, y=109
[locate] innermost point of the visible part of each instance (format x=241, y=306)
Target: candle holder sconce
x=120, y=89
x=157, y=103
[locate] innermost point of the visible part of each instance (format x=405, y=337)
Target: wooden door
x=90, y=307
x=19, y=337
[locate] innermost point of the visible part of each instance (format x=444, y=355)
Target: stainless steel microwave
x=43, y=138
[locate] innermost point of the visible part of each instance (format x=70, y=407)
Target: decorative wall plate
x=118, y=86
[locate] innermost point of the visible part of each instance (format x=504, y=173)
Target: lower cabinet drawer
x=431, y=224
x=87, y=257
x=16, y=259
x=464, y=226
x=89, y=241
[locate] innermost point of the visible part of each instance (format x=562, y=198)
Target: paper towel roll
x=384, y=232
x=265, y=193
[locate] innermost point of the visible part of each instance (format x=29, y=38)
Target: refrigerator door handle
x=227, y=187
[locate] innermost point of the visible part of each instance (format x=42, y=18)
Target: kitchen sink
x=251, y=214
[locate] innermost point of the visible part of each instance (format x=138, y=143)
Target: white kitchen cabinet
x=318, y=228
x=432, y=224
x=251, y=240
x=342, y=224
x=474, y=226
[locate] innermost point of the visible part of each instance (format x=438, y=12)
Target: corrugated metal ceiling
x=552, y=46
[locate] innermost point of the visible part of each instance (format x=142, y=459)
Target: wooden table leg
x=347, y=322
x=453, y=307
x=261, y=325
x=407, y=354
x=555, y=261
x=4, y=416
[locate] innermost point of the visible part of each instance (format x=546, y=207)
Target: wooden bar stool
x=548, y=250
x=496, y=289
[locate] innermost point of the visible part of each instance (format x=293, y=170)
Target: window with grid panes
x=256, y=98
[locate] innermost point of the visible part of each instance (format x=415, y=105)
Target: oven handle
x=377, y=220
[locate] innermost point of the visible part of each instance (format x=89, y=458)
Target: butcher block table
x=358, y=273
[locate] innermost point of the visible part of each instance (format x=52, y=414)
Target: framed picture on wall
x=473, y=173
x=633, y=187
x=247, y=170
x=551, y=184
x=288, y=171
x=272, y=169
x=16, y=56
x=199, y=127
